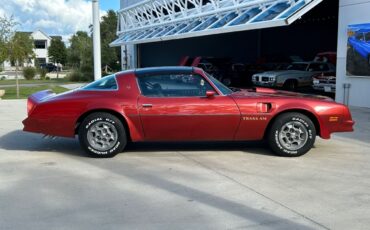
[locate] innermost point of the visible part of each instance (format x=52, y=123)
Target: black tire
x=112, y=132
x=278, y=139
x=291, y=85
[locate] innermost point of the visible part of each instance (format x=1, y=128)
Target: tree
x=110, y=56
x=57, y=52
x=20, y=50
x=7, y=26
x=80, y=53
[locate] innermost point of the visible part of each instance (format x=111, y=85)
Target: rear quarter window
x=106, y=83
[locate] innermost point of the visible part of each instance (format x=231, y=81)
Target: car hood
x=280, y=72
x=266, y=92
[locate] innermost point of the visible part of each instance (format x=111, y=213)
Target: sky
x=54, y=17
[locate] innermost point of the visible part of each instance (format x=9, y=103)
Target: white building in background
x=42, y=42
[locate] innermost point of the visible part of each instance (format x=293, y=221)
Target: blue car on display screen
x=360, y=43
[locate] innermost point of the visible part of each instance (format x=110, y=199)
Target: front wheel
x=102, y=135
x=292, y=135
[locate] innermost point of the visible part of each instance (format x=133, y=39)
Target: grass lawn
x=36, y=81
x=24, y=92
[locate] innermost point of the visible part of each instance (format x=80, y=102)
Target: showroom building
x=164, y=32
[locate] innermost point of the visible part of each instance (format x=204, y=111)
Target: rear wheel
x=292, y=135
x=102, y=135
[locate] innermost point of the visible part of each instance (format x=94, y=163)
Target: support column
x=96, y=40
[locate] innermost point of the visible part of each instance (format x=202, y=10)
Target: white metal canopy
x=160, y=20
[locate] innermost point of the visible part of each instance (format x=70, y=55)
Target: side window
x=106, y=83
x=174, y=85
x=318, y=67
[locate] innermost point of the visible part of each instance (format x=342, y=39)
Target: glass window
x=360, y=36
x=106, y=83
x=40, y=44
x=318, y=67
x=224, y=89
x=298, y=66
x=367, y=37
x=174, y=85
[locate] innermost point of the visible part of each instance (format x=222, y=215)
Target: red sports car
x=183, y=104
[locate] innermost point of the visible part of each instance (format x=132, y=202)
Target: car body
x=330, y=57
x=360, y=43
x=325, y=83
x=179, y=104
x=298, y=74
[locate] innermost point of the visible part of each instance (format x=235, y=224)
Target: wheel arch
x=308, y=113
x=110, y=111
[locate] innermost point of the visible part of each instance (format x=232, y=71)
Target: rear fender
x=126, y=113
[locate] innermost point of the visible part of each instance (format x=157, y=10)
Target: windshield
x=298, y=66
x=224, y=89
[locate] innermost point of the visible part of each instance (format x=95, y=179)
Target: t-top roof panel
x=160, y=20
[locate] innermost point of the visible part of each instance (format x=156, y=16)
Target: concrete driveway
x=51, y=184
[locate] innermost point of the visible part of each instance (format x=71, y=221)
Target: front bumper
x=264, y=83
x=328, y=88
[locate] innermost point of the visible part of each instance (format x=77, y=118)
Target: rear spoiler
x=41, y=95
x=38, y=97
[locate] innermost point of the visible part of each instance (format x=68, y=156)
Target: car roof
x=310, y=62
x=164, y=70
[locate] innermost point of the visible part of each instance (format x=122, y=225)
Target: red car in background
x=183, y=104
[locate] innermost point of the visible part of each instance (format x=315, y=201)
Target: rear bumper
x=49, y=127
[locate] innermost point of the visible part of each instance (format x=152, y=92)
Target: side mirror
x=210, y=94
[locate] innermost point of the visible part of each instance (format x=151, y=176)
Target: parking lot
x=51, y=184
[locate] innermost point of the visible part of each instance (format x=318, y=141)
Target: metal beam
x=160, y=20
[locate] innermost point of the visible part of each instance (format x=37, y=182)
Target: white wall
x=351, y=12
x=130, y=50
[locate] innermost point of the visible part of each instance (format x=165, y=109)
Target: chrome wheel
x=293, y=135
x=102, y=136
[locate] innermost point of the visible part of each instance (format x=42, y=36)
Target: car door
x=175, y=107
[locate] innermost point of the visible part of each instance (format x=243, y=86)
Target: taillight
x=30, y=105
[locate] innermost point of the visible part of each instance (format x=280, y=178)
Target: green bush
x=88, y=73
x=29, y=73
x=42, y=72
x=75, y=76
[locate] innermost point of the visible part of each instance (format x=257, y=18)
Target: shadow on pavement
x=20, y=140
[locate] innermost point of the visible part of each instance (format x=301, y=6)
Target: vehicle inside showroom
x=252, y=37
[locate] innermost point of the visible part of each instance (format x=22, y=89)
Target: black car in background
x=50, y=67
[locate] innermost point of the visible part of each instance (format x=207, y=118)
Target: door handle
x=147, y=105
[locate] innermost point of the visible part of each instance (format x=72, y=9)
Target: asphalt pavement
x=51, y=184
